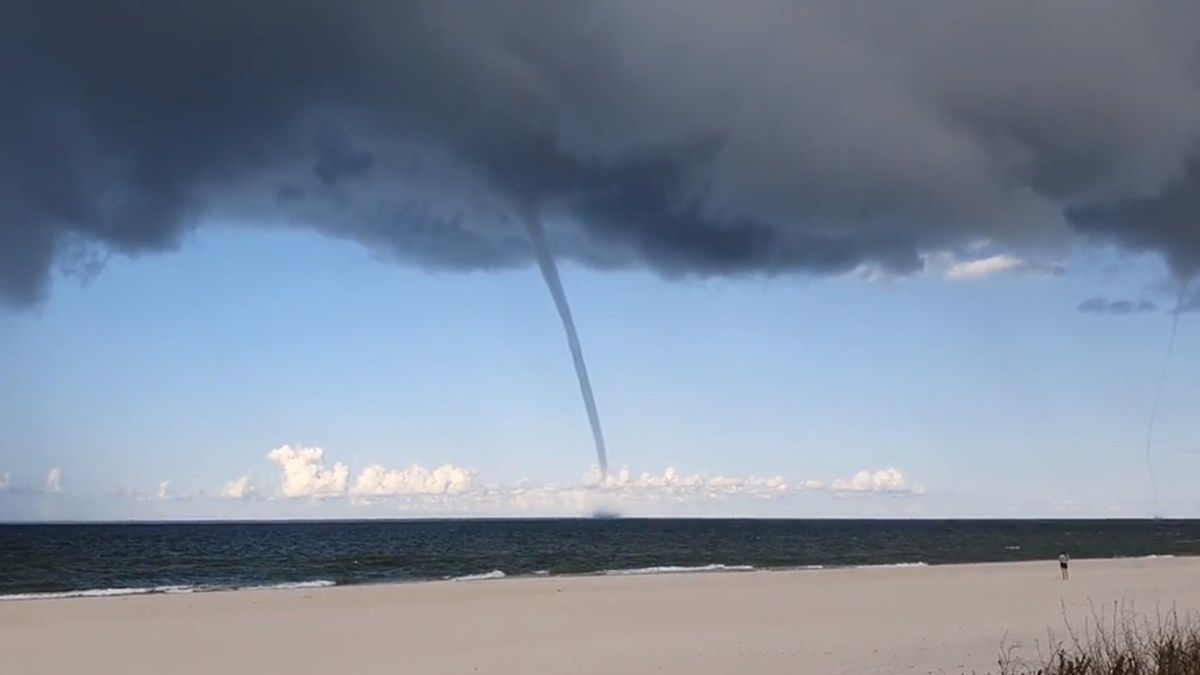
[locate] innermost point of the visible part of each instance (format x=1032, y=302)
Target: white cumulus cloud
x=984, y=267
x=378, y=481
x=623, y=489
x=305, y=475
x=164, y=493
x=54, y=481
x=884, y=480
x=626, y=489
x=672, y=483
x=980, y=268
x=238, y=488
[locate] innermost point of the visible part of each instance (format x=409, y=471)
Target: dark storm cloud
x=1099, y=305
x=692, y=138
x=338, y=160
x=1167, y=221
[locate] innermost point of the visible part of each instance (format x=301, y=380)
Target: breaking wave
x=161, y=590
x=680, y=569
x=494, y=574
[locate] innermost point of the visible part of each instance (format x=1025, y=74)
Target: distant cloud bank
x=304, y=474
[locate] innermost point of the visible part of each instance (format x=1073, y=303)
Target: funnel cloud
x=545, y=261
x=1158, y=394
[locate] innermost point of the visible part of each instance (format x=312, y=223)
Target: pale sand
x=881, y=620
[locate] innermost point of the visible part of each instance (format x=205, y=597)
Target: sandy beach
x=873, y=620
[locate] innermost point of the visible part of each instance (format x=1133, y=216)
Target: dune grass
x=1121, y=643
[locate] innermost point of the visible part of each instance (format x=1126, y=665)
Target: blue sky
x=989, y=396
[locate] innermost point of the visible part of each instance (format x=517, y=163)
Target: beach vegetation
x=1117, y=642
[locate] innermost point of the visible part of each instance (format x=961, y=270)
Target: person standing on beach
x=1063, y=561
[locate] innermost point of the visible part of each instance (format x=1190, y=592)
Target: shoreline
x=501, y=576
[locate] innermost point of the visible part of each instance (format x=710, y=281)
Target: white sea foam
x=894, y=565
x=677, y=569
x=149, y=590
x=494, y=574
x=96, y=593
x=288, y=585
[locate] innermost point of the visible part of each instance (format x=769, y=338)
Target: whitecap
x=678, y=569
x=894, y=565
x=97, y=593
x=494, y=574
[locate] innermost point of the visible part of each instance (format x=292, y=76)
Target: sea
x=86, y=559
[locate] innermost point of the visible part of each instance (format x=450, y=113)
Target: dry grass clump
x=1123, y=644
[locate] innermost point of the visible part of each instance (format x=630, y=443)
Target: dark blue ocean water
x=180, y=557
